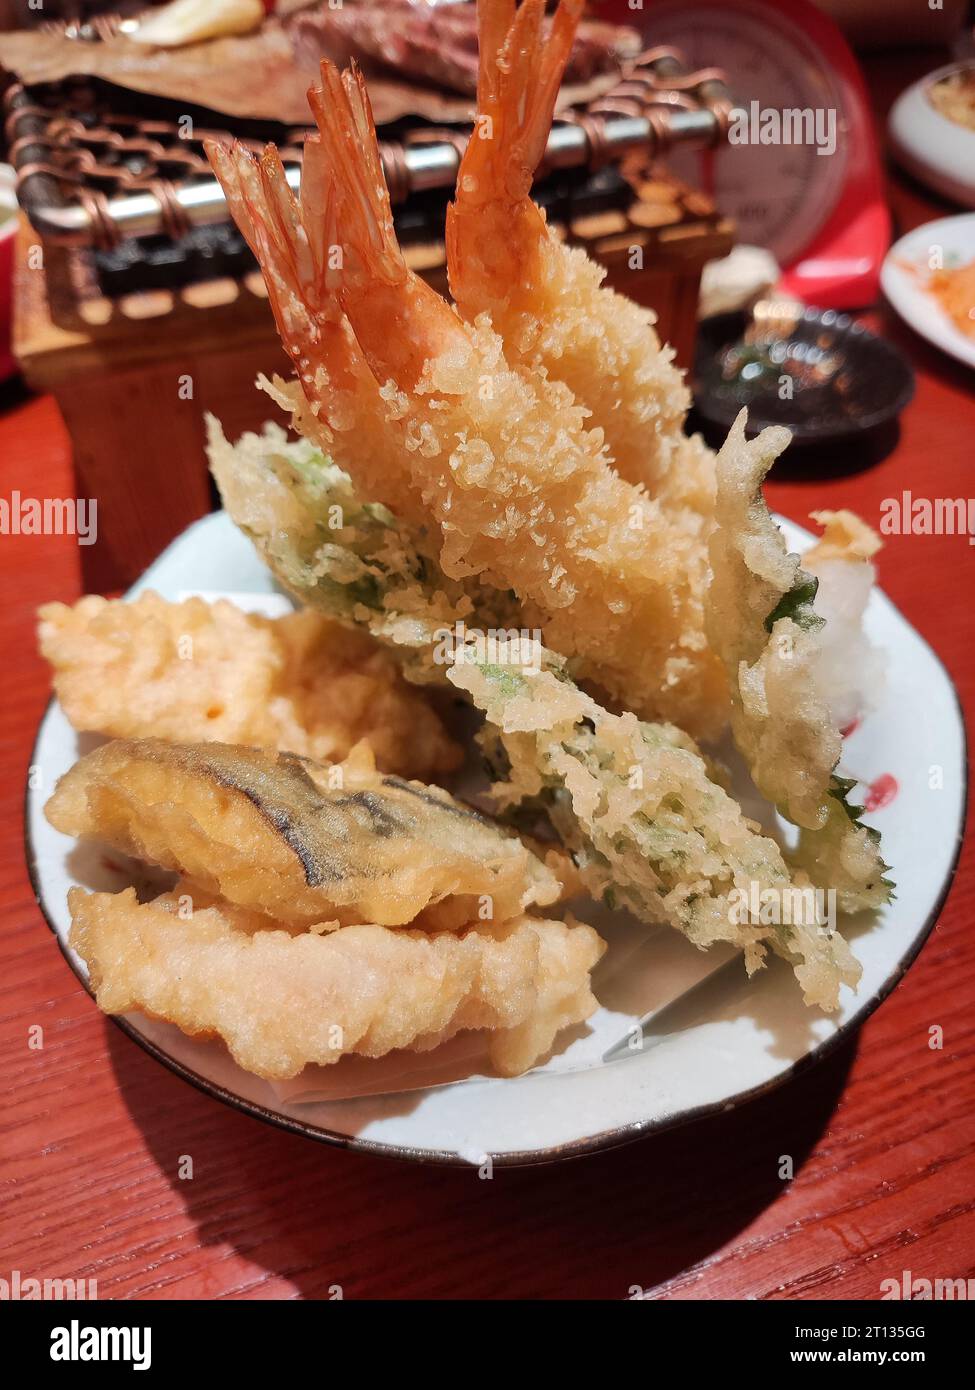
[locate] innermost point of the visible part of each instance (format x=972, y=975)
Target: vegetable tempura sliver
x=354, y=561
x=646, y=823
x=762, y=620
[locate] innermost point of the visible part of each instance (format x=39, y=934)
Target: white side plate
x=938, y=151
x=953, y=239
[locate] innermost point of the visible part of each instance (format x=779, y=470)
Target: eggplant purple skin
x=324, y=828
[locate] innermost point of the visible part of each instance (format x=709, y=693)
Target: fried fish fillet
x=196, y=671
x=299, y=841
x=281, y=1001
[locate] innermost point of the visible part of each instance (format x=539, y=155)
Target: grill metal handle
x=656, y=105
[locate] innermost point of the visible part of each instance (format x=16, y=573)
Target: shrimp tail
x=343, y=113
x=495, y=233
x=519, y=79
x=292, y=240
x=494, y=20
x=376, y=286
x=289, y=246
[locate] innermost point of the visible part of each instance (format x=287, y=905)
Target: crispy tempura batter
x=777, y=721
x=823, y=961
x=671, y=848
x=500, y=458
x=762, y=621
x=356, y=562
x=194, y=670
x=281, y=1001
x=299, y=841
x=647, y=825
x=370, y=569
x=845, y=537
x=547, y=300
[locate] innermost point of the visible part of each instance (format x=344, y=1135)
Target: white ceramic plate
x=953, y=238
x=936, y=150
x=723, y=1041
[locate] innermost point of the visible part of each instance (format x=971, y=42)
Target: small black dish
x=814, y=370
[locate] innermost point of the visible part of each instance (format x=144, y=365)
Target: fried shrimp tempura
x=762, y=620
x=195, y=670
x=371, y=571
x=280, y=1001
x=647, y=825
x=299, y=841
x=547, y=300
x=346, y=414
x=499, y=459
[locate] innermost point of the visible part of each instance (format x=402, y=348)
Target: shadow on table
x=596, y=1227
x=13, y=393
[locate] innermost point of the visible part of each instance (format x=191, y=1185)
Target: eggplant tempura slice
x=762, y=621
x=301, y=842
x=281, y=1001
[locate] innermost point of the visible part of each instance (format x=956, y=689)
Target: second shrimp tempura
x=496, y=454
x=547, y=300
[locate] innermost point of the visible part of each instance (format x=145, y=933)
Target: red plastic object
x=839, y=267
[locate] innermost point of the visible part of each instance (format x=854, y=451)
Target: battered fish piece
x=198, y=671
x=546, y=299
x=648, y=826
x=280, y=1001
x=762, y=620
x=298, y=841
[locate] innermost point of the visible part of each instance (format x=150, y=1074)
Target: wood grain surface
x=93, y=1131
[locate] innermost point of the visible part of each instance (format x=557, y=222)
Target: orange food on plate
x=954, y=289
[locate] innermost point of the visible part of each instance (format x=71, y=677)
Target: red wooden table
x=92, y=1130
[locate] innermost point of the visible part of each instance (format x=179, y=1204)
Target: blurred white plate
x=935, y=149
x=953, y=240
x=724, y=1041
